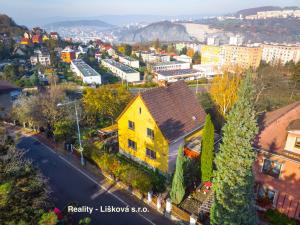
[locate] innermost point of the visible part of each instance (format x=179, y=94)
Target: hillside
x=9, y=27
x=164, y=31
x=270, y=30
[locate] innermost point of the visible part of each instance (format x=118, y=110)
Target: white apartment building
x=128, y=61
x=274, y=14
x=87, y=73
x=195, y=46
x=121, y=70
x=183, y=58
x=280, y=53
x=208, y=71
x=151, y=57
x=172, y=65
x=213, y=41
x=40, y=57
x=176, y=75
x=236, y=40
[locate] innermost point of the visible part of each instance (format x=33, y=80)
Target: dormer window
x=297, y=143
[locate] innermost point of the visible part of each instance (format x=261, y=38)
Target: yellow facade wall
x=197, y=133
x=210, y=55
x=143, y=121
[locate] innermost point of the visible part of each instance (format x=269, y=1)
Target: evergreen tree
x=207, y=150
x=234, y=181
x=178, y=186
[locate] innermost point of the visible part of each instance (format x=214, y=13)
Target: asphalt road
x=70, y=185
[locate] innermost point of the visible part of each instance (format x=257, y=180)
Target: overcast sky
x=28, y=11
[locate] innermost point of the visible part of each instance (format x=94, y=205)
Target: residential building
x=241, y=56
x=151, y=57
x=87, y=73
x=211, y=55
x=172, y=65
x=236, y=40
x=25, y=41
x=208, y=71
x=183, y=58
x=45, y=38
x=274, y=14
x=67, y=55
x=128, y=61
x=111, y=52
x=195, y=46
x=54, y=35
x=176, y=75
x=274, y=54
x=157, y=122
x=36, y=39
x=121, y=70
x=41, y=57
x=213, y=41
x=277, y=168
x=8, y=93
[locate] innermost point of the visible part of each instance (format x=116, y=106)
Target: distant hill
x=270, y=30
x=252, y=11
x=8, y=26
x=78, y=23
x=165, y=31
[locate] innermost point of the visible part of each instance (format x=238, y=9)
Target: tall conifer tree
x=178, y=186
x=207, y=150
x=234, y=181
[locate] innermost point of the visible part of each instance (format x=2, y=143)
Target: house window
x=140, y=110
x=265, y=196
x=130, y=125
x=150, y=154
x=271, y=168
x=131, y=144
x=150, y=133
x=297, y=143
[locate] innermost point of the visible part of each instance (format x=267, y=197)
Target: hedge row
x=128, y=172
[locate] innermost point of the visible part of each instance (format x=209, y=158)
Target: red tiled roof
x=271, y=117
x=294, y=125
x=274, y=125
x=175, y=109
x=23, y=40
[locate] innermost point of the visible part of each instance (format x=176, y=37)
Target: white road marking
x=92, y=179
x=98, y=193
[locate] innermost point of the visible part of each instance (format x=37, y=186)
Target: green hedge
x=128, y=172
x=277, y=218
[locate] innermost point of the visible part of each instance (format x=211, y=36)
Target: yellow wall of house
x=194, y=134
x=143, y=121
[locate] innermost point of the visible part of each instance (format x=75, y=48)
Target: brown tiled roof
x=274, y=127
x=175, y=109
x=5, y=86
x=271, y=117
x=294, y=125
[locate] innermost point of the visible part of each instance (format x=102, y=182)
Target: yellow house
x=156, y=122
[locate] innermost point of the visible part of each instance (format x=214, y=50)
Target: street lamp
x=78, y=129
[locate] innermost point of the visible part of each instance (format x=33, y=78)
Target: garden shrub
x=277, y=218
x=129, y=172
